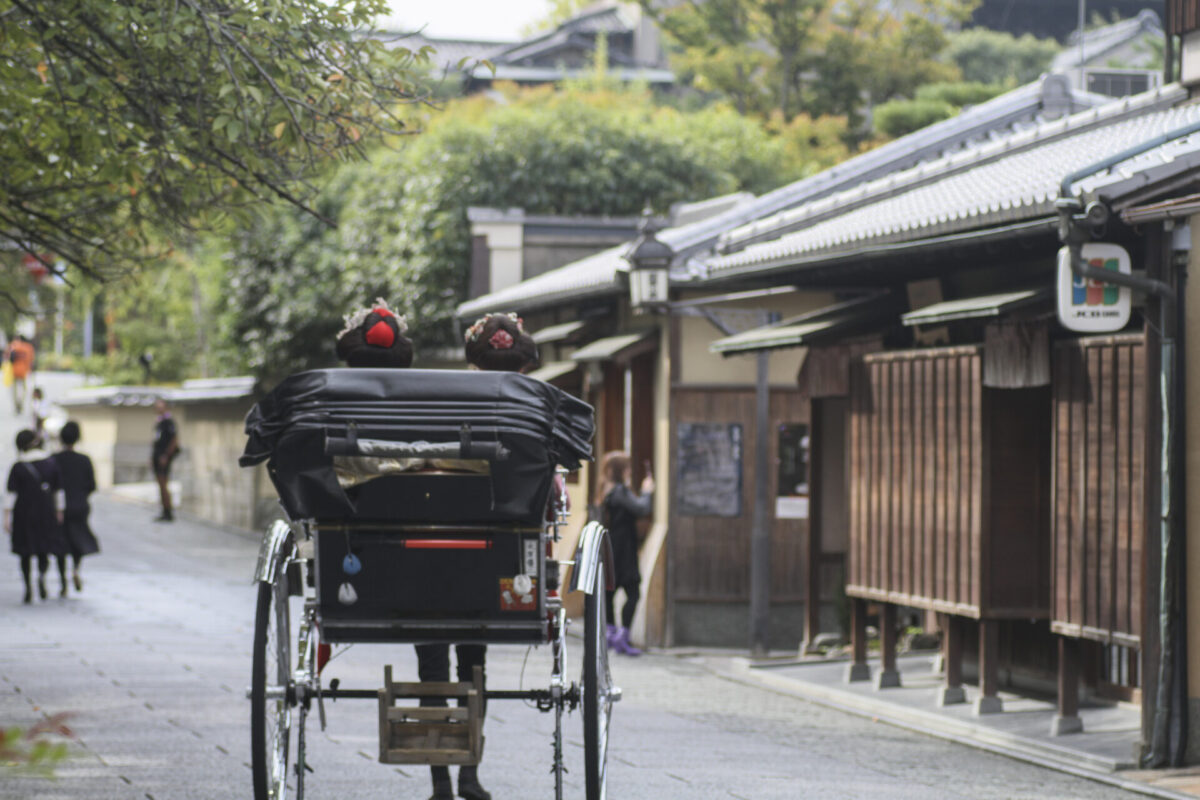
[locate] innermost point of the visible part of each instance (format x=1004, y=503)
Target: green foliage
x=121, y=117
x=814, y=57
x=899, y=117
x=402, y=229
x=958, y=94
x=991, y=57
x=34, y=749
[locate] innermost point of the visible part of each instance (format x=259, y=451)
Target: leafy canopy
x=402, y=227
x=122, y=116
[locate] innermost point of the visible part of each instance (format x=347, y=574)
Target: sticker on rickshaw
x=513, y=600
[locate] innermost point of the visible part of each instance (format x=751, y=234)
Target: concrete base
x=951, y=695
x=888, y=679
x=1060, y=725
x=858, y=672
x=988, y=705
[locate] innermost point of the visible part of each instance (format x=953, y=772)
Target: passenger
x=373, y=337
x=495, y=343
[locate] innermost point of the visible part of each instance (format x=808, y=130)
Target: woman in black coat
x=620, y=510
x=78, y=481
x=33, y=513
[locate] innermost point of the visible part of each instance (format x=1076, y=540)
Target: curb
x=930, y=724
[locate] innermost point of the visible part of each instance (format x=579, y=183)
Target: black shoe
x=63, y=591
x=42, y=588
x=167, y=517
x=469, y=786
x=78, y=582
x=28, y=596
x=442, y=792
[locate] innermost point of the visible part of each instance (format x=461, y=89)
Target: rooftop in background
x=742, y=219
x=1053, y=18
x=564, y=52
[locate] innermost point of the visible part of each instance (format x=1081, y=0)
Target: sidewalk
x=1103, y=751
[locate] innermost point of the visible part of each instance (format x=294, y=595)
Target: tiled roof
x=598, y=274
x=1011, y=180
x=448, y=53
x=1099, y=42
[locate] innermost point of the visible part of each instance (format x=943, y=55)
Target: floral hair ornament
x=501, y=340
x=381, y=334
x=476, y=329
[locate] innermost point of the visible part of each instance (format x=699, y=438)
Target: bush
x=987, y=56
x=900, y=117
x=959, y=94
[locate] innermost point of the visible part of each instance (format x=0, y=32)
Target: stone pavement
x=153, y=658
x=1105, y=749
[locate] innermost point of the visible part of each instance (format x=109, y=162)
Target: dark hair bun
x=499, y=343
x=374, y=337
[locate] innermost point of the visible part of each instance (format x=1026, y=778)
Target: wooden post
x=812, y=588
x=1067, y=719
x=859, y=669
x=889, y=676
x=760, y=532
x=952, y=692
x=989, y=668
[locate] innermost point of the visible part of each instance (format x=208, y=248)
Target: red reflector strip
x=448, y=544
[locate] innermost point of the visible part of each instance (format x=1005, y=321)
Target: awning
x=814, y=327
x=616, y=348
x=555, y=369
x=556, y=333
x=991, y=306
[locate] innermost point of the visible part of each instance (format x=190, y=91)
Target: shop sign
x=1086, y=305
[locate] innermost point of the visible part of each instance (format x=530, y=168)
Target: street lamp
x=650, y=262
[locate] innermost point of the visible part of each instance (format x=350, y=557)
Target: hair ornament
x=501, y=340
x=356, y=318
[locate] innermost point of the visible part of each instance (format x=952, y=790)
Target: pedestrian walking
x=20, y=354
x=620, y=510
x=78, y=480
x=33, y=513
x=162, y=453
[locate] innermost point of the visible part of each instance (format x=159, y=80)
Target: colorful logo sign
x=1092, y=305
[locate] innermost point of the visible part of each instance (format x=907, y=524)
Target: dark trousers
x=433, y=664
x=633, y=593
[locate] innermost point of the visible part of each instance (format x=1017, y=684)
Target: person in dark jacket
x=162, y=452
x=33, y=513
x=620, y=510
x=78, y=481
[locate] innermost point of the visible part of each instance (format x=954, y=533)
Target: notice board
x=709, y=478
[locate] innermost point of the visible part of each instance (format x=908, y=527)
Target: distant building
x=1054, y=18
x=1116, y=60
x=634, y=46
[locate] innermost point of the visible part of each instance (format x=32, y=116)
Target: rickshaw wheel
x=271, y=698
x=597, y=686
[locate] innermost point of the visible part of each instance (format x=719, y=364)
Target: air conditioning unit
x=1116, y=82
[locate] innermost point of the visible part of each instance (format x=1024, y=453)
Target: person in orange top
x=20, y=354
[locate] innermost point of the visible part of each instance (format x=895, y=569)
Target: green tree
x=122, y=117
x=816, y=57
x=988, y=56
x=402, y=229
x=751, y=51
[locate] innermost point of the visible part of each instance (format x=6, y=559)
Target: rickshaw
x=419, y=509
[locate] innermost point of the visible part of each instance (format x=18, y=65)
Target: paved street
x=154, y=656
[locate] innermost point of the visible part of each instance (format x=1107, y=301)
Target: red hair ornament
x=501, y=340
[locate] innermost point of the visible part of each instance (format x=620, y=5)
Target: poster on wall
x=791, y=493
x=709, y=478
